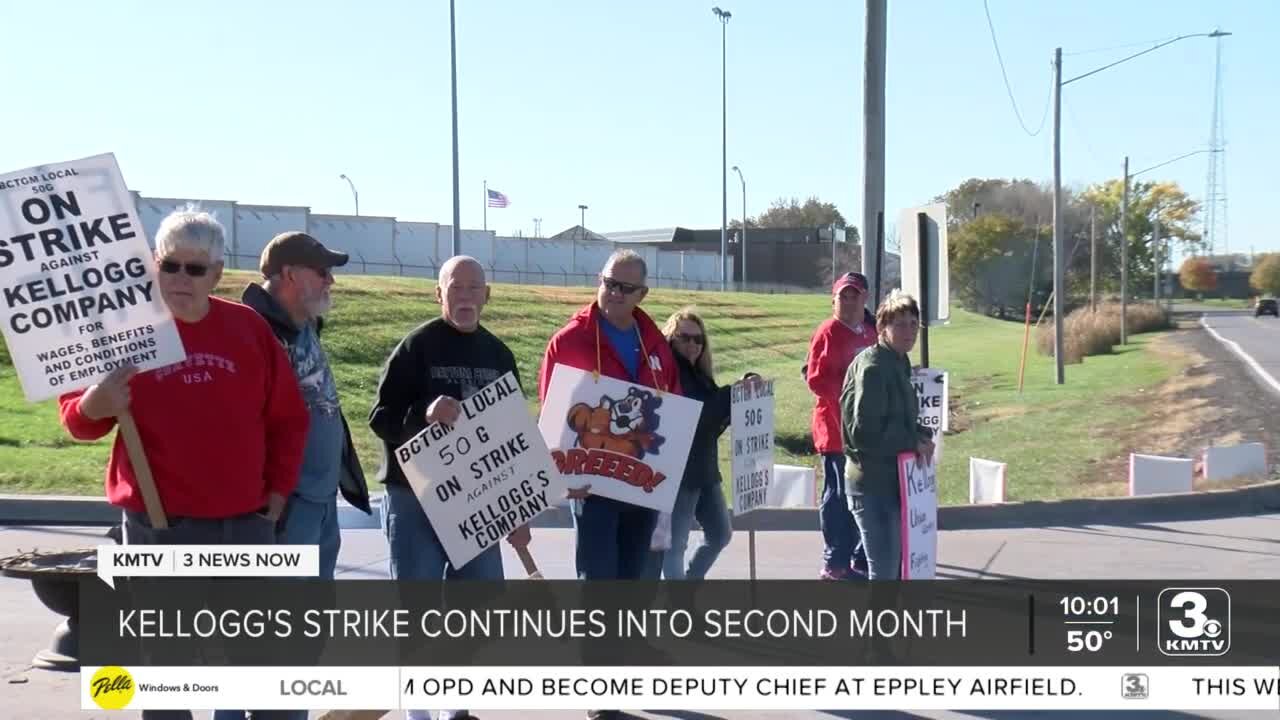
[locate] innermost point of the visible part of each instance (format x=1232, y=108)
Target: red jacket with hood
x=581, y=344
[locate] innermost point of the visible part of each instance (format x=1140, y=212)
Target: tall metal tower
x=1215, y=194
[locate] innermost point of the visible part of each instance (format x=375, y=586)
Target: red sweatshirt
x=833, y=347
x=221, y=429
x=581, y=344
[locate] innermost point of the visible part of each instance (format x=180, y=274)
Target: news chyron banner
x=772, y=645
x=77, y=279
x=485, y=476
x=628, y=442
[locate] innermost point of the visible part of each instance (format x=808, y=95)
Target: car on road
x=1266, y=306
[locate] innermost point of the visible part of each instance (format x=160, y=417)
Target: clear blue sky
x=618, y=105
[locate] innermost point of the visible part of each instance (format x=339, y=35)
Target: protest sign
x=751, y=459
x=918, y=483
x=627, y=441
x=487, y=475
x=931, y=389
x=77, y=278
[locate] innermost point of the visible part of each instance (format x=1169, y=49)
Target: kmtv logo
x=1194, y=621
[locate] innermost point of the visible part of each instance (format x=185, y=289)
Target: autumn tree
x=1265, y=277
x=1197, y=274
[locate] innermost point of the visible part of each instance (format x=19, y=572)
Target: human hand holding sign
x=924, y=451
x=579, y=493
x=110, y=397
x=444, y=410
x=520, y=537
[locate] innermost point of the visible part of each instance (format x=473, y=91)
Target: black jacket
x=703, y=468
x=351, y=482
x=434, y=359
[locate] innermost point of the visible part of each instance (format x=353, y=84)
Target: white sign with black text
x=931, y=389
x=77, y=279
x=751, y=449
x=487, y=475
x=918, y=482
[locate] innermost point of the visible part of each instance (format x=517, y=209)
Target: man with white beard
x=294, y=298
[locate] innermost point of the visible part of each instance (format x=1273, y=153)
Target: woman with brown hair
x=879, y=414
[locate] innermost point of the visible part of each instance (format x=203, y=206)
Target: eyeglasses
x=905, y=324
x=324, y=273
x=612, y=285
x=192, y=269
x=695, y=339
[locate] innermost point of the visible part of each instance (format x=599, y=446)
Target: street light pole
x=744, y=226
x=354, y=194
x=724, y=16
x=1059, y=285
x=453, y=80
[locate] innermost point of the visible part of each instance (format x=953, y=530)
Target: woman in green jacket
x=879, y=420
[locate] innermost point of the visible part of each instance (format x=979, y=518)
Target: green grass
x=1051, y=436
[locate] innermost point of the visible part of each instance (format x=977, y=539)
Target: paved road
x=1256, y=341
x=1229, y=548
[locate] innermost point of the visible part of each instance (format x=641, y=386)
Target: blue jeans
x=879, y=518
x=843, y=546
x=416, y=551
x=708, y=506
x=307, y=522
x=613, y=538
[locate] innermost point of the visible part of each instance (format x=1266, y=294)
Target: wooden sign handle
x=526, y=559
x=142, y=471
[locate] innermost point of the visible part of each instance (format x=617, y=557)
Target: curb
x=1202, y=505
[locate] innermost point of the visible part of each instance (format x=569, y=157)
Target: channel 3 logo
x=1194, y=622
x=1135, y=686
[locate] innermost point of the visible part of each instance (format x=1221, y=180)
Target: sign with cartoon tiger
x=627, y=441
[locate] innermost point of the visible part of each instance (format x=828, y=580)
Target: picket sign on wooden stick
x=526, y=559
x=142, y=471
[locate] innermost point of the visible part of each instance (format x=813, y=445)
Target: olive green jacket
x=879, y=414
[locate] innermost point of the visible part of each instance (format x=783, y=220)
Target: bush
x=1095, y=333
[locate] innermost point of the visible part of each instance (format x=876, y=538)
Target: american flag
x=497, y=199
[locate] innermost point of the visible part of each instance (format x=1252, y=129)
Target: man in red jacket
x=614, y=337
x=850, y=330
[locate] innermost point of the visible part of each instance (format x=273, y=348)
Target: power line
x=1008, y=88
x=1116, y=47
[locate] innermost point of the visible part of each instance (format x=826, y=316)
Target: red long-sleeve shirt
x=833, y=348
x=221, y=429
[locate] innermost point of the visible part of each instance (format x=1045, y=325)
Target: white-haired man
x=435, y=367
x=223, y=430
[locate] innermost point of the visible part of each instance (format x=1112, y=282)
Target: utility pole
x=1059, y=282
x=1093, y=261
x=872, y=137
x=1155, y=260
x=1124, y=256
x=453, y=80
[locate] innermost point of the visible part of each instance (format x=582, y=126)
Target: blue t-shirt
x=322, y=458
x=626, y=343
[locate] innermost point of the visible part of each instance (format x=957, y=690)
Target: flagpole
x=486, y=205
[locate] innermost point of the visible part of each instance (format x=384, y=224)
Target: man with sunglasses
x=850, y=330
x=614, y=337
x=223, y=430
x=298, y=272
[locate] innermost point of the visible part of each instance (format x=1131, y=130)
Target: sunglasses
x=625, y=288
x=695, y=339
x=172, y=267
